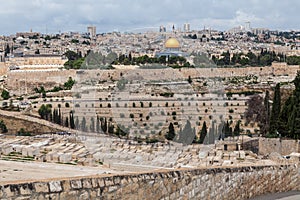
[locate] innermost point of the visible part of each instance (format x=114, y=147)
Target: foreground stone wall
x=217, y=183
x=281, y=146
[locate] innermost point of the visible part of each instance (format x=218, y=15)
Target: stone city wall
x=281, y=146
x=215, y=183
x=19, y=82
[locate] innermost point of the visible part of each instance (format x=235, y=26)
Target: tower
x=186, y=27
x=91, y=31
x=248, y=27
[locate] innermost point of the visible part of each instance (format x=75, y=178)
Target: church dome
x=172, y=43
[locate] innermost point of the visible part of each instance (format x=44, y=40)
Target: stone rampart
x=278, y=145
x=214, y=183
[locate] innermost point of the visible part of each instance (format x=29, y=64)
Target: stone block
x=55, y=186
x=117, y=180
x=66, y=185
x=112, y=188
x=93, y=194
x=70, y=195
x=65, y=158
x=87, y=183
x=95, y=183
x=23, y=198
x=84, y=196
x=41, y=187
x=10, y=190
x=52, y=196
x=109, y=182
x=101, y=182
x=7, y=150
x=76, y=184
x=26, y=189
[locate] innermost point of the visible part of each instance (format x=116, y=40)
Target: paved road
x=293, y=195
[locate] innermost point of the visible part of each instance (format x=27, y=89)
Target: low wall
x=281, y=146
x=216, y=183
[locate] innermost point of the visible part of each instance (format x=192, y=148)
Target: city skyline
x=54, y=16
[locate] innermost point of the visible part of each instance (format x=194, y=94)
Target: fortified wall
x=215, y=183
x=278, y=145
x=20, y=82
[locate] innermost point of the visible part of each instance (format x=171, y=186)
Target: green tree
x=3, y=127
x=7, y=50
x=92, y=125
x=187, y=135
x=77, y=123
x=98, y=127
x=265, y=129
x=276, y=107
x=203, y=133
x=121, y=131
x=190, y=80
x=110, y=129
x=237, y=128
x=257, y=112
x=104, y=125
x=5, y=94
x=45, y=111
x=67, y=122
x=227, y=130
x=72, y=123
x=83, y=124
x=289, y=123
x=69, y=84
x=171, y=132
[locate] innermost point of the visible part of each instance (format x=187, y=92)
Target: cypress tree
x=211, y=134
x=98, y=125
x=187, y=135
x=289, y=125
x=77, y=123
x=203, y=133
x=104, y=125
x=92, y=125
x=83, y=124
x=110, y=128
x=274, y=120
x=237, y=128
x=264, y=128
x=171, y=133
x=67, y=122
x=72, y=124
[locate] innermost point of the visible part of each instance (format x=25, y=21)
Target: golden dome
x=172, y=43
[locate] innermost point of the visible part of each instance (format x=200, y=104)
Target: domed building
x=171, y=48
x=172, y=44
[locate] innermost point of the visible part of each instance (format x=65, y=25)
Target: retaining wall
x=216, y=183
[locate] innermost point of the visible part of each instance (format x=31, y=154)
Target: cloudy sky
x=131, y=15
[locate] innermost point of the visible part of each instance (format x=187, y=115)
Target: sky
x=54, y=16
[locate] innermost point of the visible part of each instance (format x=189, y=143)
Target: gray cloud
x=109, y=15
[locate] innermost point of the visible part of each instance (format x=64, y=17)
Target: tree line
x=206, y=135
x=264, y=58
x=172, y=61
x=276, y=118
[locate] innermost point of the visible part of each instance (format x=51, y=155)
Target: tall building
x=186, y=27
x=91, y=31
x=162, y=29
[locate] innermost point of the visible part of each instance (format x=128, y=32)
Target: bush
x=5, y=94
